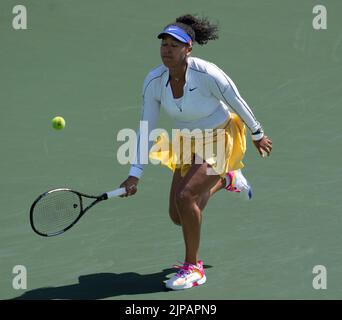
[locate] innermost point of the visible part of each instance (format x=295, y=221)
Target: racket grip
x=116, y=193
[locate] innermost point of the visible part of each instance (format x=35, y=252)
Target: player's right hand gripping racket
x=56, y=211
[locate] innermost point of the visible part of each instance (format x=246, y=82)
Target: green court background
x=86, y=60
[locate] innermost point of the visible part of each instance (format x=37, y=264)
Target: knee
x=173, y=213
x=184, y=199
x=175, y=218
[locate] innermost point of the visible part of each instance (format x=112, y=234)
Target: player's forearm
x=244, y=112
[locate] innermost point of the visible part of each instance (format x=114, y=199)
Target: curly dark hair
x=199, y=29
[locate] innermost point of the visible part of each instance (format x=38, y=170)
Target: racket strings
x=56, y=211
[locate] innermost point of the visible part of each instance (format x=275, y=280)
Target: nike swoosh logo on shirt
x=192, y=89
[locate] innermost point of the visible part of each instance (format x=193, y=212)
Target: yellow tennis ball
x=58, y=123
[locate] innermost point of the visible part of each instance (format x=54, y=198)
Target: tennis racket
x=56, y=211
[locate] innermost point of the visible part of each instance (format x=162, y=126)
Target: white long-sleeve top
x=208, y=94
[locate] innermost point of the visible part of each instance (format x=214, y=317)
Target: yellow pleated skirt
x=223, y=150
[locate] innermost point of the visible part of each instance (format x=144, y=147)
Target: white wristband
x=258, y=136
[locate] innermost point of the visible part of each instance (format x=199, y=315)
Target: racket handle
x=116, y=193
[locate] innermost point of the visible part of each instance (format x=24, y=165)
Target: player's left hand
x=264, y=145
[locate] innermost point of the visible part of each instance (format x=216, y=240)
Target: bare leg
x=218, y=186
x=193, y=193
x=201, y=202
x=173, y=210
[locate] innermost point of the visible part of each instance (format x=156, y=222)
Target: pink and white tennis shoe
x=188, y=276
x=236, y=182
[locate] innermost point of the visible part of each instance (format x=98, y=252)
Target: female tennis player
x=197, y=95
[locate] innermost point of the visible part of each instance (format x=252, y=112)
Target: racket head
x=56, y=211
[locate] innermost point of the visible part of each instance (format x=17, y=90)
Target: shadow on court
x=103, y=285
